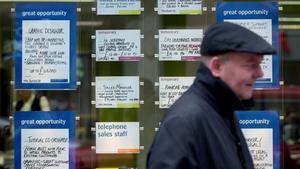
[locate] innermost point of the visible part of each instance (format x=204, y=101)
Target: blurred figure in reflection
x=4, y=132
x=28, y=100
x=286, y=161
x=291, y=129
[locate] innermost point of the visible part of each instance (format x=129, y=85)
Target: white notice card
x=180, y=44
x=118, y=7
x=45, y=148
x=260, y=143
x=45, y=51
x=117, y=137
x=171, y=88
x=118, y=45
x=117, y=92
x=171, y=7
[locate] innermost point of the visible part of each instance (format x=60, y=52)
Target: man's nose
x=259, y=72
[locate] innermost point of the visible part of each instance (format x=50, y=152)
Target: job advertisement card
x=117, y=92
x=261, y=18
x=46, y=46
x=180, y=44
x=118, y=7
x=179, y=7
x=44, y=140
x=261, y=131
x=118, y=45
x=171, y=88
x=117, y=137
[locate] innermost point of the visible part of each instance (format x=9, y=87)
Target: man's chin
x=246, y=96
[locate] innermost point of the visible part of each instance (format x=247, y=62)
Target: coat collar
x=217, y=92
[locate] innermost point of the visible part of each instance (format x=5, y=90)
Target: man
x=200, y=130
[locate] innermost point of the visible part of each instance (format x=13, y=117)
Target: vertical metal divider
x=282, y=89
x=141, y=73
x=149, y=73
x=12, y=89
x=93, y=86
x=77, y=113
x=157, y=72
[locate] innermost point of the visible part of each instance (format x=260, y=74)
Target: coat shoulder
x=190, y=106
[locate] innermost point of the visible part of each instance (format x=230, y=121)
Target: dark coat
x=200, y=130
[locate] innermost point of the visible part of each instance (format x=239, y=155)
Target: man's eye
x=252, y=65
x=248, y=65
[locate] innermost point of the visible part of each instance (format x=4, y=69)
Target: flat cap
x=226, y=37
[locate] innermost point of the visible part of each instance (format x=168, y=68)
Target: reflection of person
x=291, y=129
x=4, y=133
x=200, y=129
x=286, y=160
x=28, y=100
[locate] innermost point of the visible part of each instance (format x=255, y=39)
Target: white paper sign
x=45, y=51
x=45, y=148
x=180, y=44
x=179, y=6
x=262, y=27
x=118, y=45
x=171, y=88
x=117, y=137
x=260, y=143
x=118, y=7
x=117, y=92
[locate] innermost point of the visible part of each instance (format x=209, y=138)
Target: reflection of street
x=6, y=156
x=290, y=156
x=6, y=159
x=294, y=151
x=290, y=149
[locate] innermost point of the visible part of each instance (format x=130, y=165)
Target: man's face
x=240, y=71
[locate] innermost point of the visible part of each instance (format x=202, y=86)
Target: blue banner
x=45, y=46
x=44, y=140
x=261, y=18
x=261, y=131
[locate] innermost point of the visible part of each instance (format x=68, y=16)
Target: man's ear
x=215, y=66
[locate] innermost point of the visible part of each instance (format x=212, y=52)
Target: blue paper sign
x=45, y=46
x=44, y=140
x=261, y=131
x=261, y=18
